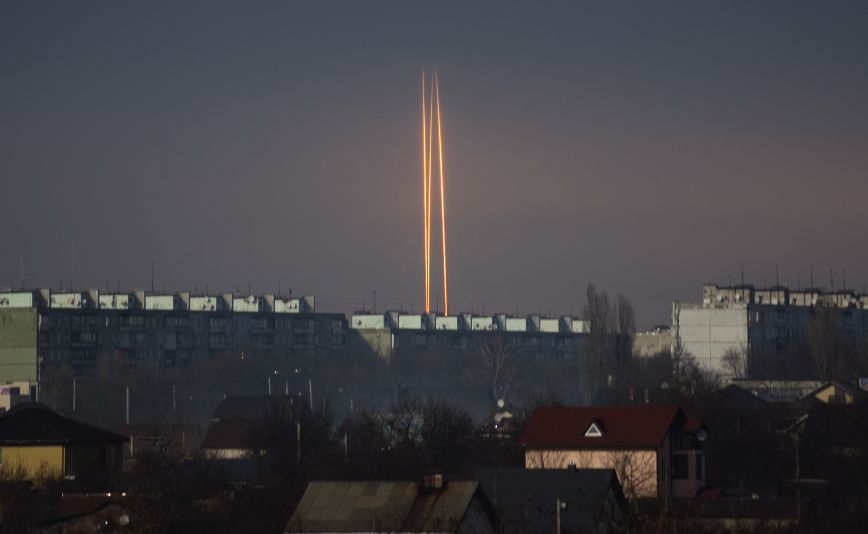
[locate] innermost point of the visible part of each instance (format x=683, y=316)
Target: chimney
x=434, y=481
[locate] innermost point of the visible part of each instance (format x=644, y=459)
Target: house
x=255, y=407
x=37, y=439
x=532, y=500
x=835, y=393
x=85, y=513
x=393, y=506
x=656, y=450
x=232, y=439
x=246, y=425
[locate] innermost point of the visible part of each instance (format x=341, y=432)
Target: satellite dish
x=500, y=403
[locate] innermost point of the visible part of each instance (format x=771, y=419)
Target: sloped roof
x=255, y=407
x=232, y=434
x=381, y=506
x=625, y=426
x=525, y=497
x=37, y=424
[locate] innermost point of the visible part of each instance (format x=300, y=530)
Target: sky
x=645, y=147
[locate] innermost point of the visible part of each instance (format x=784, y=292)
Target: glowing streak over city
x=427, y=185
x=425, y=194
x=442, y=197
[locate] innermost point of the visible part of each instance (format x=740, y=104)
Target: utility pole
x=559, y=505
x=310, y=392
x=128, y=405
x=298, y=444
x=174, y=401
x=73, y=394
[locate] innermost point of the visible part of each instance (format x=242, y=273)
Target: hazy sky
x=646, y=147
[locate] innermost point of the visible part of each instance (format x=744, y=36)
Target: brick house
x=656, y=450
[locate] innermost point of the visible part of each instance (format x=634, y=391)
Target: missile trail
x=429, y=194
x=442, y=197
x=425, y=193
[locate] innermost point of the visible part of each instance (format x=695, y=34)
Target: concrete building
x=767, y=325
x=44, y=327
x=538, y=337
x=653, y=342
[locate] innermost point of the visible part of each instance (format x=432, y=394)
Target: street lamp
x=559, y=505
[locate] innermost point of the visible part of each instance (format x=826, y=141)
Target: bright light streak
x=427, y=184
x=429, y=195
x=425, y=193
x=442, y=197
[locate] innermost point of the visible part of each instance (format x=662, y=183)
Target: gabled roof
x=380, y=506
x=36, y=424
x=627, y=426
x=525, y=498
x=233, y=434
x=847, y=388
x=255, y=407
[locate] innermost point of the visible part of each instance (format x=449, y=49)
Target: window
x=595, y=430
x=679, y=466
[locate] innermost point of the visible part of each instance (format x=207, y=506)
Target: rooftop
x=600, y=427
x=36, y=424
x=381, y=506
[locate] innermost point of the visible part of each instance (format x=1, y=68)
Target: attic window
x=595, y=430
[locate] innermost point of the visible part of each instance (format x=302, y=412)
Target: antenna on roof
x=742, y=274
x=844, y=277
x=777, y=276
x=152, y=276
x=812, y=276
x=22, y=270
x=832, y=278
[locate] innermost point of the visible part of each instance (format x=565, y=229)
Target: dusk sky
x=645, y=147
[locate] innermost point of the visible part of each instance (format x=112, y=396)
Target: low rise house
x=39, y=440
x=86, y=513
x=656, y=450
x=394, y=506
x=541, y=500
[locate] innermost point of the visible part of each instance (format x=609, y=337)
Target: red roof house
x=656, y=450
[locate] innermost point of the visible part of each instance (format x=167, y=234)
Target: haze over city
x=645, y=148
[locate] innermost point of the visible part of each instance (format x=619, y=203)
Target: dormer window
x=595, y=429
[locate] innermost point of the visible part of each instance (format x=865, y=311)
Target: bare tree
x=636, y=471
x=736, y=361
x=499, y=361
x=545, y=459
x=826, y=342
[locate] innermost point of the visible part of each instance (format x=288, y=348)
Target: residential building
x=245, y=426
x=38, y=439
x=766, y=327
x=538, y=337
x=45, y=327
x=656, y=450
x=656, y=341
x=538, y=500
x=86, y=513
x=433, y=506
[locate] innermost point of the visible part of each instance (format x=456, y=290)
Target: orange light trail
x=428, y=194
x=427, y=184
x=442, y=197
x=425, y=195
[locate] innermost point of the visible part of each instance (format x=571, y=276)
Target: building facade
x=538, y=337
x=47, y=327
x=766, y=326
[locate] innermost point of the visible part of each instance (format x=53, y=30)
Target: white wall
x=707, y=333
